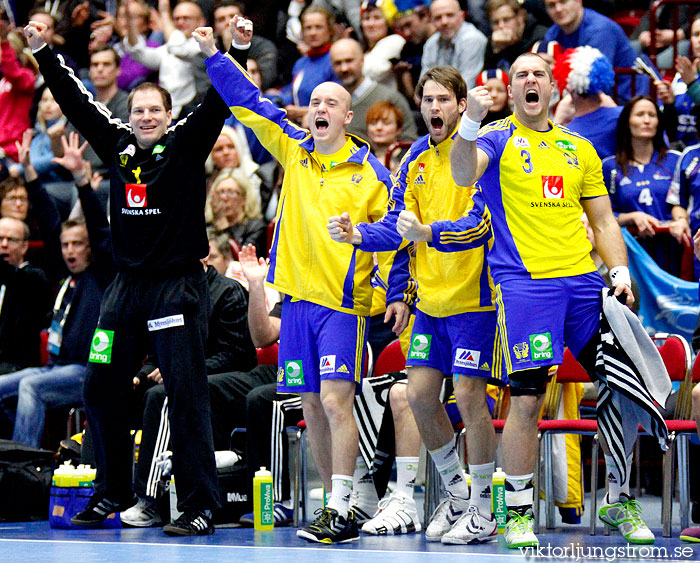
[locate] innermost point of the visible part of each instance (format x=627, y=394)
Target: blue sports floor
x=37, y=542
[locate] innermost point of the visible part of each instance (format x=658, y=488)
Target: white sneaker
x=518, y=532
x=472, y=527
x=397, y=515
x=445, y=516
x=143, y=514
x=626, y=516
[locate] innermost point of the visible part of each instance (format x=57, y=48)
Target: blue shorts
x=460, y=344
x=318, y=343
x=538, y=318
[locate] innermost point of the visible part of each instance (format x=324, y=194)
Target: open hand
x=254, y=268
x=72, y=159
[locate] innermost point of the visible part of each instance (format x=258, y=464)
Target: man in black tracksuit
x=158, y=301
x=228, y=348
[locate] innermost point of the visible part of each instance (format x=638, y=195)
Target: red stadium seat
x=268, y=356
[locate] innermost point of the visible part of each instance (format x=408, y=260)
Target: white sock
x=340, y=494
x=519, y=492
x=450, y=470
x=616, y=485
x=363, y=484
x=482, y=480
x=406, y=471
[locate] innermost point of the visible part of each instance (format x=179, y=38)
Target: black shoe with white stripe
x=193, y=523
x=98, y=508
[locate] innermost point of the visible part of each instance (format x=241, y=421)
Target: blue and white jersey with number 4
x=644, y=187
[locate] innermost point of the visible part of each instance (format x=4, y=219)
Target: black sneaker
x=330, y=527
x=190, y=524
x=97, y=510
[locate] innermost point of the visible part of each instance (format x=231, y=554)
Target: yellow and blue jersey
x=448, y=284
x=533, y=187
x=304, y=262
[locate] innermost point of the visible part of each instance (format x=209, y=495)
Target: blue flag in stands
x=668, y=304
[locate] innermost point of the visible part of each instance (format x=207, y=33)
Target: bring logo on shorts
x=294, y=373
x=541, y=346
x=420, y=347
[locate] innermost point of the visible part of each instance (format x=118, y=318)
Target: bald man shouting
x=327, y=286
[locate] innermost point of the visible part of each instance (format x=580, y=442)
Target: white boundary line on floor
x=270, y=547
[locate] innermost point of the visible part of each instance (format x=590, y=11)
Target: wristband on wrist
x=620, y=274
x=468, y=128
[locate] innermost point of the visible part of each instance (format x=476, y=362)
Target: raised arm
x=22, y=79
x=264, y=329
x=43, y=206
x=203, y=126
x=467, y=161
x=95, y=217
x=166, y=18
x=92, y=119
x=244, y=99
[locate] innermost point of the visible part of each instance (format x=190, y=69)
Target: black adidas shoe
x=329, y=527
x=193, y=523
x=97, y=510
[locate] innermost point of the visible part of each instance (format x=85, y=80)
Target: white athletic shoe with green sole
x=626, y=516
x=518, y=532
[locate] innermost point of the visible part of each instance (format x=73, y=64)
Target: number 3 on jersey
x=527, y=164
x=645, y=197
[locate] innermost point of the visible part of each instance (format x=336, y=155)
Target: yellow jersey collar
x=358, y=157
x=521, y=126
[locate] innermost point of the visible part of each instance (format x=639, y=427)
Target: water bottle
x=63, y=475
x=498, y=498
x=174, y=512
x=263, y=501
x=84, y=476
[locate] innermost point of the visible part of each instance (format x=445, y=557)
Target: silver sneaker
x=144, y=514
x=445, y=516
x=472, y=527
